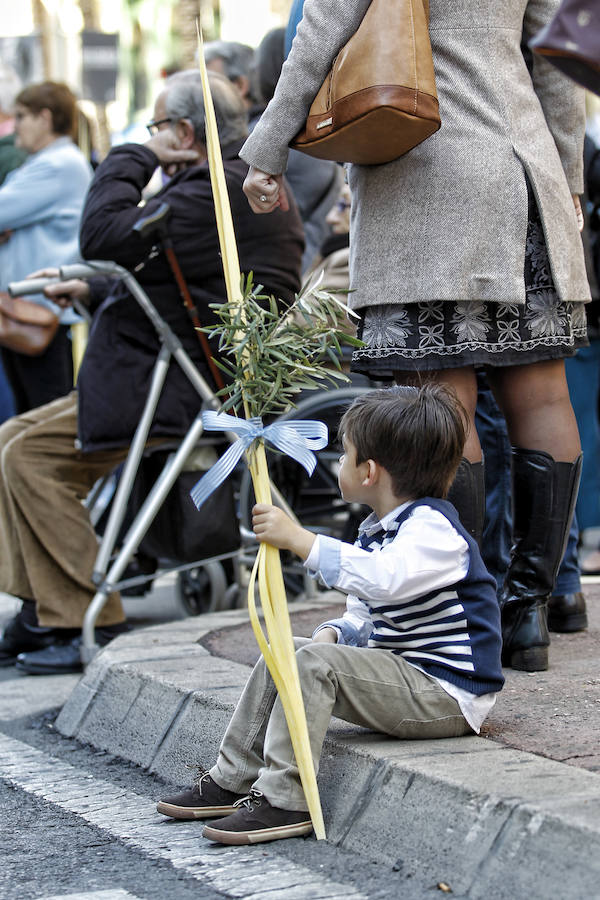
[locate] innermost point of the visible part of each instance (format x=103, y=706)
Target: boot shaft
x=544, y=495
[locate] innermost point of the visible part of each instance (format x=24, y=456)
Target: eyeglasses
x=154, y=126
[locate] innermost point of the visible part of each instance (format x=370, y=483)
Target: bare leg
x=537, y=408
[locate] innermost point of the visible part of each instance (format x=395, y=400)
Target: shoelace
x=253, y=798
x=201, y=775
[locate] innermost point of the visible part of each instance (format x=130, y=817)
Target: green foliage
x=269, y=357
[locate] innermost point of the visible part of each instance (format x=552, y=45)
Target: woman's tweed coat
x=448, y=220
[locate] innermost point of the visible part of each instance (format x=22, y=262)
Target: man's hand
x=265, y=192
x=63, y=293
x=5, y=236
x=272, y=526
x=326, y=636
x=165, y=145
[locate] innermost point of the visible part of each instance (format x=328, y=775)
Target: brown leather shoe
x=203, y=800
x=255, y=821
x=567, y=613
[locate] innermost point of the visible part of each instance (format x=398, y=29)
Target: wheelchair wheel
x=316, y=500
x=202, y=589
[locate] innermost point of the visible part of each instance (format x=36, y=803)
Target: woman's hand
x=265, y=192
x=272, y=526
x=578, y=211
x=63, y=293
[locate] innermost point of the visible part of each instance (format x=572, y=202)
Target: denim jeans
x=497, y=537
x=583, y=377
x=7, y=403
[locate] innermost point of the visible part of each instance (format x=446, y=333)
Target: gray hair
x=184, y=100
x=238, y=59
x=10, y=85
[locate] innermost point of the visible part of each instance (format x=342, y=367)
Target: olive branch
x=269, y=356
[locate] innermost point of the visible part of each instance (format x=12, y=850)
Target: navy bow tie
x=371, y=540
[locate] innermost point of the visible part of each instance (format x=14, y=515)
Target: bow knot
x=296, y=438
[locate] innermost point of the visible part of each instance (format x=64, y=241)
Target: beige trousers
x=47, y=544
x=368, y=687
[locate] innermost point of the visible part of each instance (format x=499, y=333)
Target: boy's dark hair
x=416, y=434
x=56, y=97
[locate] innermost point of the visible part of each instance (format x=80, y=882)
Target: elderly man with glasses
x=60, y=450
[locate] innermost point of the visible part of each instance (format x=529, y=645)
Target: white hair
x=184, y=100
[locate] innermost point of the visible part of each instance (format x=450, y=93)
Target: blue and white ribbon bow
x=296, y=438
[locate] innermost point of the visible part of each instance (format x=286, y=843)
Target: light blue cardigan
x=41, y=203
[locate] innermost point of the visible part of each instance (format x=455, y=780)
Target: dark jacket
x=115, y=375
x=11, y=157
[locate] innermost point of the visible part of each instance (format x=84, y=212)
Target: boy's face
x=351, y=475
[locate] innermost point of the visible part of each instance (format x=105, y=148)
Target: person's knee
x=520, y=390
x=11, y=459
x=313, y=656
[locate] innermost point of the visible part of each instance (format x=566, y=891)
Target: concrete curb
x=484, y=818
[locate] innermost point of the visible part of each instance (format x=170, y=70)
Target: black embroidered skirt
x=445, y=334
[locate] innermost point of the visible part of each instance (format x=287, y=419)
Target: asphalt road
x=79, y=824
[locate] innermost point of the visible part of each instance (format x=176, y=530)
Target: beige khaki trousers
x=372, y=688
x=47, y=544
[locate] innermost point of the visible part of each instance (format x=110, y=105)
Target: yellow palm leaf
x=278, y=649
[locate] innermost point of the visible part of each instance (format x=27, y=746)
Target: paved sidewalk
x=513, y=813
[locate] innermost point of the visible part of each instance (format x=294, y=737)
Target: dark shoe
x=255, y=821
x=544, y=495
x=203, y=800
x=467, y=495
x=20, y=636
x=566, y=612
x=64, y=657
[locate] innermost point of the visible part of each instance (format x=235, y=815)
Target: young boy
x=417, y=652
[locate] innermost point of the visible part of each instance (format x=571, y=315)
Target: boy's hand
x=272, y=526
x=326, y=636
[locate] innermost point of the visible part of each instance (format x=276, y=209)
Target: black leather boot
x=544, y=495
x=567, y=612
x=467, y=495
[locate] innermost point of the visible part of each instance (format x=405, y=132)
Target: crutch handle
x=155, y=223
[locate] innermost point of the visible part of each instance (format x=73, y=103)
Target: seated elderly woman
x=40, y=208
x=51, y=458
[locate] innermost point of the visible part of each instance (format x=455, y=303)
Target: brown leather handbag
x=379, y=99
x=26, y=327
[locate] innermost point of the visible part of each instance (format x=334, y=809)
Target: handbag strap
x=193, y=314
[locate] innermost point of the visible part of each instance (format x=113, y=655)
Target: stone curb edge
x=486, y=819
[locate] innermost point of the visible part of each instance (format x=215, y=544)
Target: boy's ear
x=372, y=476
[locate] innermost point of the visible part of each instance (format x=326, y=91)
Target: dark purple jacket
x=115, y=375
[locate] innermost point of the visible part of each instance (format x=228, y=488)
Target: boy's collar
x=372, y=524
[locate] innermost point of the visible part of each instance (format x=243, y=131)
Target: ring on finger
x=263, y=198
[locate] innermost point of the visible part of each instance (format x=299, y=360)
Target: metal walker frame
x=106, y=575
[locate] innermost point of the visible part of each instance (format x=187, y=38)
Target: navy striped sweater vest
x=453, y=633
